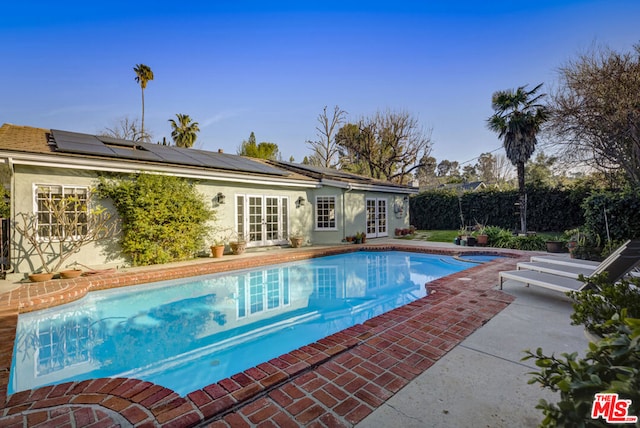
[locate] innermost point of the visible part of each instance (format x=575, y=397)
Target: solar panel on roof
x=171, y=155
x=116, y=141
x=135, y=154
x=70, y=142
x=327, y=172
x=73, y=142
x=242, y=163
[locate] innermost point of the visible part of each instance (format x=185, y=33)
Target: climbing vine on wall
x=163, y=217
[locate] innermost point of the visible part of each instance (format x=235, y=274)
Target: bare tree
x=325, y=149
x=392, y=144
x=126, y=129
x=504, y=169
x=595, y=116
x=72, y=227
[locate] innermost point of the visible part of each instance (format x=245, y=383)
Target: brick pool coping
x=334, y=382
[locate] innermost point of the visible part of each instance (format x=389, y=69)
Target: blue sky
x=270, y=67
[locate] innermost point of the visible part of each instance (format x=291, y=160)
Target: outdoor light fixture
x=300, y=202
x=219, y=198
x=406, y=199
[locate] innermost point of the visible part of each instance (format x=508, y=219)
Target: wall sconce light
x=300, y=202
x=219, y=198
x=406, y=199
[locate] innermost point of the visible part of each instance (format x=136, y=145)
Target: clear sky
x=270, y=67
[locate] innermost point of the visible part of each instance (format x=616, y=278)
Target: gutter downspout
x=12, y=211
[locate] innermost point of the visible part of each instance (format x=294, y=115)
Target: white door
x=376, y=217
x=263, y=220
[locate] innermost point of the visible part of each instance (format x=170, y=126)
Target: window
x=326, y=212
x=61, y=211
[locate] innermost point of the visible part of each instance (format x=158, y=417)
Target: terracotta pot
x=39, y=277
x=296, y=241
x=72, y=273
x=482, y=240
x=217, y=251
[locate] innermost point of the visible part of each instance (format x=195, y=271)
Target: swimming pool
x=185, y=334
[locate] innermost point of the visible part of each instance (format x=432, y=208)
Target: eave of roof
x=23, y=145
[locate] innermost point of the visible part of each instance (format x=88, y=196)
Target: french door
x=376, y=217
x=262, y=220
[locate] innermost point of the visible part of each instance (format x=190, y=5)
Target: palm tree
x=143, y=75
x=184, y=132
x=517, y=120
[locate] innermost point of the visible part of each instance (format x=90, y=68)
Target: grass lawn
x=433, y=235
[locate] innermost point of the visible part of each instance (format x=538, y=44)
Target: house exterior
x=265, y=201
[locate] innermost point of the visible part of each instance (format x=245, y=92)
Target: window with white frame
x=325, y=212
x=61, y=211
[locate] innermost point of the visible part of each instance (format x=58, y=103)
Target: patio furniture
x=561, y=277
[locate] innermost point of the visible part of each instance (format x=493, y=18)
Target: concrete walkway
x=482, y=382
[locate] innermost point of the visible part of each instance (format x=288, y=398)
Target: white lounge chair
x=564, y=261
x=571, y=268
x=617, y=265
x=556, y=269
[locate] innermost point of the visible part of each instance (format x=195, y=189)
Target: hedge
x=621, y=208
x=549, y=210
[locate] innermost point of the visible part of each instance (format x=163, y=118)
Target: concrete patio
x=482, y=382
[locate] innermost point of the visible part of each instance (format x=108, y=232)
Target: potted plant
x=461, y=233
x=238, y=246
x=40, y=276
x=71, y=273
x=297, y=239
x=217, y=249
x=482, y=238
x=556, y=245
x=220, y=237
x=359, y=237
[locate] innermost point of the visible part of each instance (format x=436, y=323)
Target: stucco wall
x=350, y=212
x=24, y=259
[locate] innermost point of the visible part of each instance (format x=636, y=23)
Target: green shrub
x=501, y=238
x=611, y=365
x=528, y=243
x=5, y=209
x=163, y=217
x=593, y=308
x=498, y=237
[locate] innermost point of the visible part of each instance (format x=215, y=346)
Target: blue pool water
x=188, y=333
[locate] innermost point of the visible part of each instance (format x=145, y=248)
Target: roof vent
x=220, y=151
